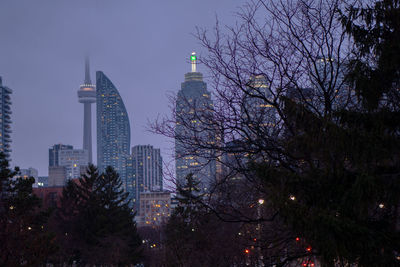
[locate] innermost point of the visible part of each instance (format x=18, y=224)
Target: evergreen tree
x=24, y=239
x=96, y=224
x=195, y=236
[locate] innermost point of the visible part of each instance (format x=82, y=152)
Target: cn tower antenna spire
x=87, y=71
x=193, y=60
x=87, y=96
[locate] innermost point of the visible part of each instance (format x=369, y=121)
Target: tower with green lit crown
x=194, y=103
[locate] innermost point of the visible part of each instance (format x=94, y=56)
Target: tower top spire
x=193, y=61
x=87, y=71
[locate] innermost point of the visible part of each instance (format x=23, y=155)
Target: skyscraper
x=258, y=115
x=113, y=129
x=193, y=107
x=87, y=96
x=147, y=167
x=5, y=119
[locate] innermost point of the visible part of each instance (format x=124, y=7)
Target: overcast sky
x=143, y=46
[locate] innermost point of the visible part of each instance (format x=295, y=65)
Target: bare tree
x=280, y=85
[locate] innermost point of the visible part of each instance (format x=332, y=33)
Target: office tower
x=193, y=107
x=5, y=119
x=75, y=162
x=147, y=168
x=87, y=96
x=113, y=130
x=54, y=153
x=258, y=114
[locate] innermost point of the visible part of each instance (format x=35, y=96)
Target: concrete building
x=74, y=161
x=87, y=96
x=57, y=176
x=30, y=172
x=43, y=181
x=155, y=208
x=193, y=107
x=50, y=196
x=113, y=128
x=5, y=119
x=54, y=153
x=66, y=163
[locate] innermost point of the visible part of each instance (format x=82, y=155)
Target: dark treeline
x=306, y=124
x=306, y=105
x=93, y=225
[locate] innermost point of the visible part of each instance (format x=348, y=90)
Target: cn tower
x=87, y=96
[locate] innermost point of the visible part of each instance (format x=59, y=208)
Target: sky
x=142, y=46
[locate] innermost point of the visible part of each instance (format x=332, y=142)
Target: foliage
x=195, y=237
x=96, y=225
x=307, y=110
x=24, y=239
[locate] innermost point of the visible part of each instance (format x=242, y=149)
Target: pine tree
x=24, y=239
x=96, y=223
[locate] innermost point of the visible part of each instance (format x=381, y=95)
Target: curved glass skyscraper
x=113, y=129
x=5, y=119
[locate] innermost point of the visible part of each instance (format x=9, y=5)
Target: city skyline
x=42, y=56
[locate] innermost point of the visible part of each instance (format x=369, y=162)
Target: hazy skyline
x=142, y=46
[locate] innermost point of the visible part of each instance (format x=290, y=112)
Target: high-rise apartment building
x=113, y=129
x=5, y=119
x=87, y=96
x=193, y=107
x=147, y=169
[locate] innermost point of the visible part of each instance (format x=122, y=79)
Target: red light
x=297, y=239
x=312, y=264
x=305, y=264
x=246, y=251
x=308, y=249
x=255, y=239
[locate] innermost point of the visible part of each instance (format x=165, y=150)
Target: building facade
x=155, y=209
x=193, y=107
x=147, y=169
x=113, y=128
x=66, y=163
x=57, y=176
x=54, y=153
x=5, y=119
x=75, y=162
x=27, y=173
